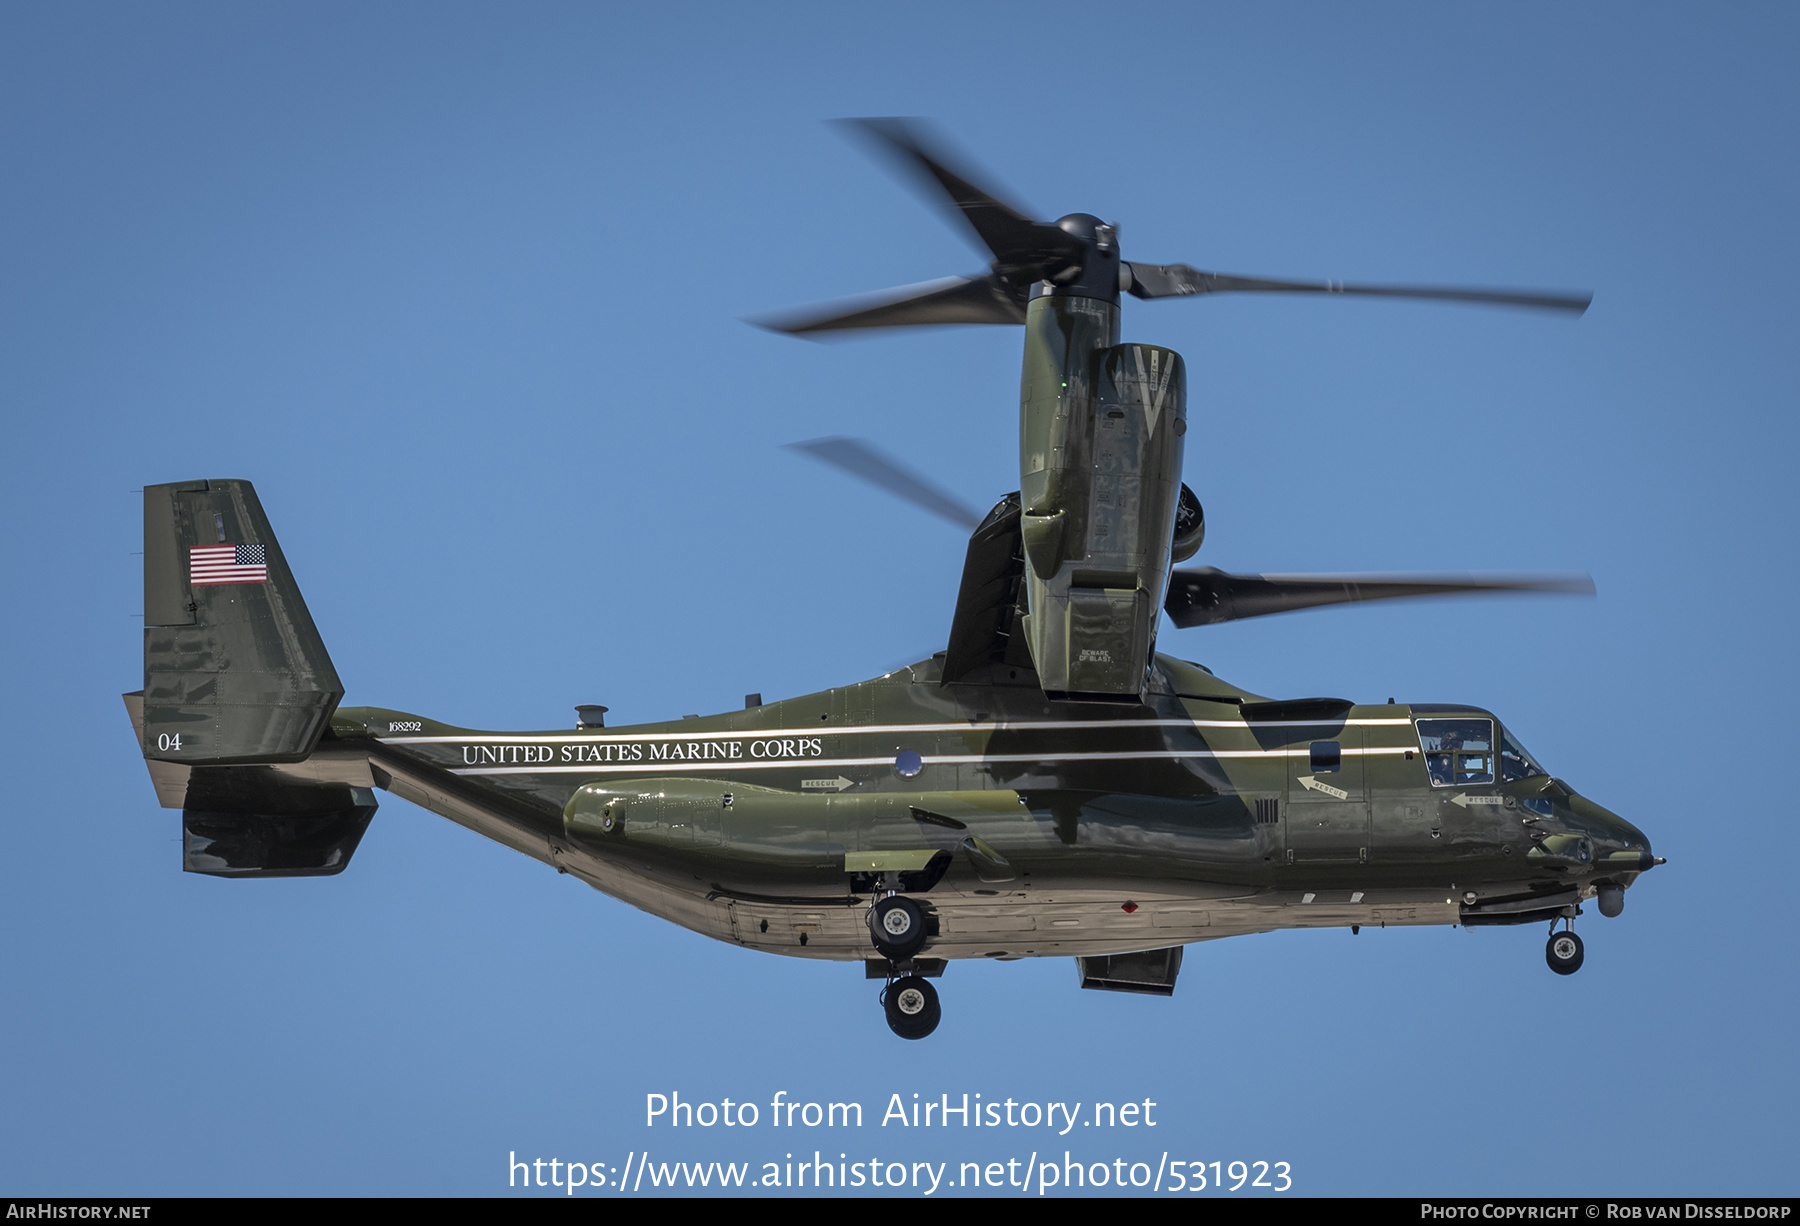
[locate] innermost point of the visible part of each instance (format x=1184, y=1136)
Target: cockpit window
x=1458, y=751
x=1515, y=763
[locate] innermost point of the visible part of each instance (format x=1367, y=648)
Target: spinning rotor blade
x=1205, y=596
x=1014, y=238
x=955, y=300
x=1063, y=253
x=1178, y=280
x=861, y=460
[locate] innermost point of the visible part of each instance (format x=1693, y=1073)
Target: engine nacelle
x=1101, y=483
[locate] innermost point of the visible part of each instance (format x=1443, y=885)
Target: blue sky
x=462, y=289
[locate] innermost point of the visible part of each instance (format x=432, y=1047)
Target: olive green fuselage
x=1025, y=827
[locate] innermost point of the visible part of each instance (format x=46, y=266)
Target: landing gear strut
x=1563, y=952
x=897, y=927
x=912, y=1006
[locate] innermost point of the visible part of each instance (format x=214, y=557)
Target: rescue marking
x=1307, y=781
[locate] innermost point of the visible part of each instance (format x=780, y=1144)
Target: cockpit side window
x=1458, y=751
x=1515, y=763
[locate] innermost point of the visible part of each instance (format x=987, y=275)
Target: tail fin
x=237, y=689
x=234, y=670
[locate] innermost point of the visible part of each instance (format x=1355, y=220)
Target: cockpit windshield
x=1458, y=751
x=1515, y=763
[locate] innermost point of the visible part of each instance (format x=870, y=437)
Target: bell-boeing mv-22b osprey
x=1045, y=785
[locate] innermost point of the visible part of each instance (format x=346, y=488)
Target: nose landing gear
x=1563, y=952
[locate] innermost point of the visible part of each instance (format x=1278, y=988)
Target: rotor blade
x=1178, y=280
x=1205, y=596
x=954, y=300
x=1003, y=229
x=861, y=460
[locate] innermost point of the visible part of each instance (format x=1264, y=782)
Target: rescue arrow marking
x=830, y=785
x=1315, y=785
x=1465, y=800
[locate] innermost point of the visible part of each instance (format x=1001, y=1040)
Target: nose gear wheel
x=1563, y=952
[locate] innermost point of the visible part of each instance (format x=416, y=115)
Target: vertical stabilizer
x=234, y=670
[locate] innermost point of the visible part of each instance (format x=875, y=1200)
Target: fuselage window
x=1515, y=763
x=1458, y=751
x=1325, y=757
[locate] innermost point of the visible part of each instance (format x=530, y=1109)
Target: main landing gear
x=897, y=926
x=912, y=1006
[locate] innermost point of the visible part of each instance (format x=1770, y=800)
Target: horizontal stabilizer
x=299, y=820
x=257, y=824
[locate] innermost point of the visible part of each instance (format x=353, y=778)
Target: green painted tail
x=238, y=688
x=234, y=669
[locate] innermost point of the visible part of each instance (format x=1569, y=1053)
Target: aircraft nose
x=1623, y=846
x=1621, y=852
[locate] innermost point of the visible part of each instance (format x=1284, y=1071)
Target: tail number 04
x=166, y=742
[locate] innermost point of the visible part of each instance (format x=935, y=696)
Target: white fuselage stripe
x=676, y=767
x=583, y=738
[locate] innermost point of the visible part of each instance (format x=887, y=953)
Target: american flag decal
x=227, y=564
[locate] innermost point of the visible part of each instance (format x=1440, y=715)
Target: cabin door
x=1327, y=800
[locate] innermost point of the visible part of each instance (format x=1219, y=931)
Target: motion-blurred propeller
x=1179, y=281
x=1021, y=247
x=863, y=461
x=954, y=300
x=1204, y=596
x=1025, y=251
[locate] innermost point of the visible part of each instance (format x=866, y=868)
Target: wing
x=987, y=604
